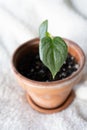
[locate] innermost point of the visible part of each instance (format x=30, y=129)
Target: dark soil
x=31, y=67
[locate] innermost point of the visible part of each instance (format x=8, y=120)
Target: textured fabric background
x=19, y=22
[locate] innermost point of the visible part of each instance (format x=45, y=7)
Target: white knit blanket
x=19, y=22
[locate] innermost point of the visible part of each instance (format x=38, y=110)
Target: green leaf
x=53, y=53
x=43, y=29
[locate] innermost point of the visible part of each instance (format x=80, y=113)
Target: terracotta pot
x=48, y=97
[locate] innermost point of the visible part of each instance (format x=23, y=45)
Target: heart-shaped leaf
x=53, y=53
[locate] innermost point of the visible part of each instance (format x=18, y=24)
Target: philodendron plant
x=53, y=51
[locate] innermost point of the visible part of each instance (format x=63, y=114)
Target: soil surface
x=31, y=67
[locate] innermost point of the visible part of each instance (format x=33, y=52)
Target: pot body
x=48, y=94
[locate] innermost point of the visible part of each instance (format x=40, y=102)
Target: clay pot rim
x=51, y=84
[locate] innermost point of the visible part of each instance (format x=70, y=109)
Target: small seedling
x=53, y=51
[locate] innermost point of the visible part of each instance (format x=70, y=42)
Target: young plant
x=52, y=50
